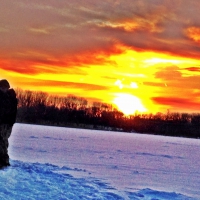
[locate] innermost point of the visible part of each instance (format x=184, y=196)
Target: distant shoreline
x=39, y=108
x=102, y=128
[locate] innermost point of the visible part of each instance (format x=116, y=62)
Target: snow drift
x=63, y=163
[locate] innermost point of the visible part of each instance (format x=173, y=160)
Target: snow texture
x=64, y=163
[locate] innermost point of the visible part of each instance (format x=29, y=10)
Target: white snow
x=65, y=163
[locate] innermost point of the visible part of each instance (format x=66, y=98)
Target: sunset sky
x=141, y=53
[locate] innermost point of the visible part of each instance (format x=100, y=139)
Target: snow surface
x=65, y=163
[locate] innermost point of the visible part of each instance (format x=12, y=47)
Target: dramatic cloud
x=67, y=84
x=150, y=47
x=193, y=69
x=168, y=73
x=176, y=103
x=74, y=26
x=194, y=33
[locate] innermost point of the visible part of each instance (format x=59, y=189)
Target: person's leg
x=5, y=132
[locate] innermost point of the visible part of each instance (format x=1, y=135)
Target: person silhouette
x=8, y=112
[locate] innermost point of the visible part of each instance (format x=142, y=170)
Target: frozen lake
x=89, y=164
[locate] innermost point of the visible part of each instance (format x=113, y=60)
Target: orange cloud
x=34, y=63
x=83, y=47
x=168, y=73
x=176, y=103
x=194, y=33
x=145, y=23
x=85, y=86
x=193, y=69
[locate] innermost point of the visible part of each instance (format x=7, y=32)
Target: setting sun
x=135, y=51
x=128, y=104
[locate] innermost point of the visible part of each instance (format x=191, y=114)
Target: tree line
x=71, y=111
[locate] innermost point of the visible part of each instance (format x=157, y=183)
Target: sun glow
x=128, y=104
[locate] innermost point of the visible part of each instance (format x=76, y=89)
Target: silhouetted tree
x=42, y=108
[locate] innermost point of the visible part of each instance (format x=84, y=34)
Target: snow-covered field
x=64, y=163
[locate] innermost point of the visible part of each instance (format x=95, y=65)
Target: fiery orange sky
x=144, y=53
